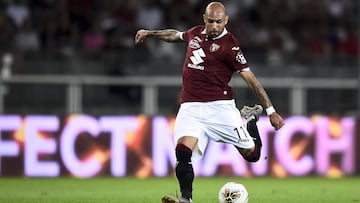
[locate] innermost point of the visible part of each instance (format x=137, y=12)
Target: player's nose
x=214, y=28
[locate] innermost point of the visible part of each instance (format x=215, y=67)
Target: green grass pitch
x=150, y=190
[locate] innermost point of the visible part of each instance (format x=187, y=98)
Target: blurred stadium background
x=78, y=98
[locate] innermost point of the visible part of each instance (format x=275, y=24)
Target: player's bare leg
x=251, y=114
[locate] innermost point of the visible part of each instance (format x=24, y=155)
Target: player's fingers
x=278, y=125
x=137, y=38
x=140, y=36
x=276, y=121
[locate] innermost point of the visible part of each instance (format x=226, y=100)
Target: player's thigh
x=228, y=127
x=188, y=127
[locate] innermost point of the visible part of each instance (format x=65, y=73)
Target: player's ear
x=226, y=19
x=204, y=18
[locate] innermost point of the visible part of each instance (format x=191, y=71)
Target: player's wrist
x=149, y=33
x=270, y=110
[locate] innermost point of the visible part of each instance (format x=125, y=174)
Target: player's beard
x=213, y=34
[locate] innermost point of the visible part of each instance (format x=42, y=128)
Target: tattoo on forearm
x=260, y=92
x=169, y=35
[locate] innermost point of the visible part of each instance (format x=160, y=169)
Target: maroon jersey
x=209, y=65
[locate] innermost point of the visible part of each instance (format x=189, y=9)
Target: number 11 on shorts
x=241, y=136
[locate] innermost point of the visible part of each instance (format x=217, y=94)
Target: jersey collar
x=224, y=32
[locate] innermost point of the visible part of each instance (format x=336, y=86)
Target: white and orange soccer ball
x=233, y=192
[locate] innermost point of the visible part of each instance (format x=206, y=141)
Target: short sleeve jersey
x=209, y=65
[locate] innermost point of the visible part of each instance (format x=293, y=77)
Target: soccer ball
x=233, y=192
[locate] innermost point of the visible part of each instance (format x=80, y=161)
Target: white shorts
x=217, y=120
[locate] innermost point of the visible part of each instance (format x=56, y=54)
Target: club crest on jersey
x=214, y=47
x=240, y=58
x=195, y=43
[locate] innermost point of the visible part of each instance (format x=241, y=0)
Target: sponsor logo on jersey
x=196, y=59
x=197, y=56
x=235, y=48
x=214, y=47
x=240, y=58
x=197, y=67
x=195, y=43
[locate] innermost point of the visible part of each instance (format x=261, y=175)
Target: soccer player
x=208, y=110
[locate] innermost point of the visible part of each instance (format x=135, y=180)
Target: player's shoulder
x=230, y=37
x=230, y=43
x=196, y=29
x=192, y=32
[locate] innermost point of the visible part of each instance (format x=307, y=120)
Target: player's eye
x=215, y=21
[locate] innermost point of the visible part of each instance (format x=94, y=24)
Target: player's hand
x=140, y=36
x=276, y=121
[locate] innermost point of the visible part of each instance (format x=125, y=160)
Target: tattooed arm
x=169, y=35
x=256, y=87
